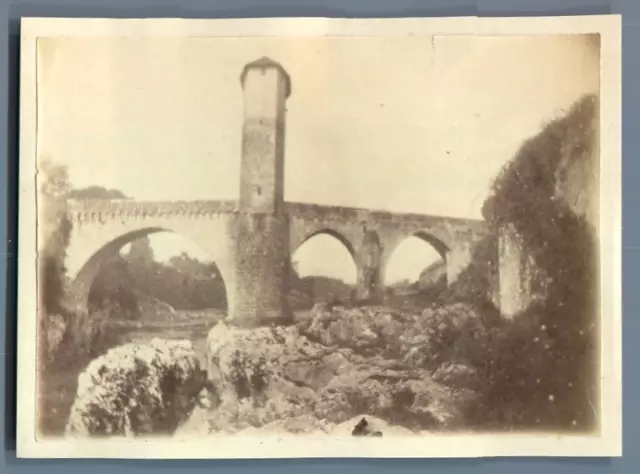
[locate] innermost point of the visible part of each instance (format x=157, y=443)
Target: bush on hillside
x=539, y=369
x=66, y=336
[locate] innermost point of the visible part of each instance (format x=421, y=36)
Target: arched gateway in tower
x=252, y=239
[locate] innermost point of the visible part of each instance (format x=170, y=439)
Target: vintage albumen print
x=290, y=238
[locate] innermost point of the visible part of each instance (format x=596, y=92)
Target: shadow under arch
x=81, y=284
x=427, y=238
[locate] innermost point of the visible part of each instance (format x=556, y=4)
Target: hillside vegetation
x=542, y=364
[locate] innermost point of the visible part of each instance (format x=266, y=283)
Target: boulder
x=278, y=379
x=138, y=389
x=420, y=340
x=367, y=330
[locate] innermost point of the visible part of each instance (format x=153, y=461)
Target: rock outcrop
x=138, y=389
x=337, y=368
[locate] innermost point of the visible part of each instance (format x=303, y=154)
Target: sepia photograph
x=330, y=238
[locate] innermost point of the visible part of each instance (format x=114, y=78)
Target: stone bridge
x=100, y=228
x=251, y=239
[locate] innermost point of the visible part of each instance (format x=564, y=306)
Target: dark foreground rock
x=324, y=373
x=138, y=389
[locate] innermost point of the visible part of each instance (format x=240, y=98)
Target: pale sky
x=403, y=124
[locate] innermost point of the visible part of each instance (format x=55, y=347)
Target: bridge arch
x=96, y=253
x=333, y=260
x=434, y=242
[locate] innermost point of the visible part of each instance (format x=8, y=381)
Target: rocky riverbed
x=368, y=371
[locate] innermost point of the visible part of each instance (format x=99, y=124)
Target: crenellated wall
x=90, y=210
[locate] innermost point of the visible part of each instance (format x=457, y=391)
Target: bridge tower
x=262, y=226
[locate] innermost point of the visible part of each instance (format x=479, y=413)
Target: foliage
x=474, y=285
x=538, y=370
x=114, y=291
x=184, y=283
x=141, y=252
x=54, y=230
x=305, y=292
x=526, y=186
x=87, y=336
x=476, y=282
x=96, y=192
x=78, y=335
x=187, y=283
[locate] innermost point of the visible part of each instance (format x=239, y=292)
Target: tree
x=113, y=291
x=540, y=365
x=141, y=252
x=183, y=263
x=96, y=192
x=54, y=230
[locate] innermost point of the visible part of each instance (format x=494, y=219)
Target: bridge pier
x=456, y=260
x=262, y=266
x=369, y=285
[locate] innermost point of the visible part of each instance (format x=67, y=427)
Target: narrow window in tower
x=259, y=191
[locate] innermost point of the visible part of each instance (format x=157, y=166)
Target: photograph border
x=608, y=442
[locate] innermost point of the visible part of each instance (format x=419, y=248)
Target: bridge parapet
x=98, y=210
x=380, y=218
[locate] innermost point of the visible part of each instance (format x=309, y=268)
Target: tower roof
x=267, y=63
